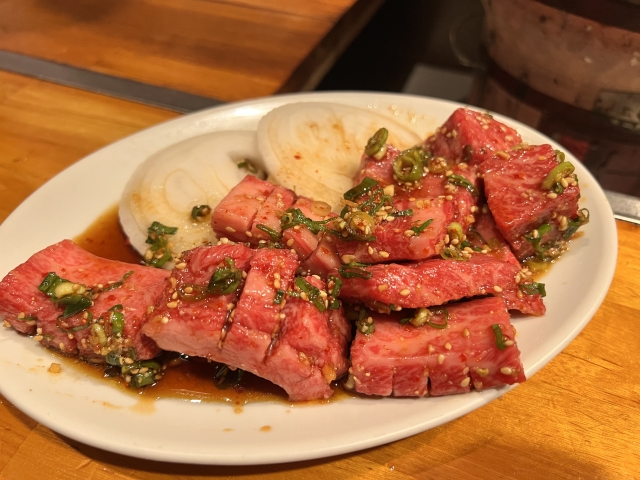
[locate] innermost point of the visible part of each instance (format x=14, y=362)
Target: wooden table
x=579, y=417
x=223, y=49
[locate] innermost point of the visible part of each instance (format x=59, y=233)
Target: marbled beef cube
x=471, y=137
x=188, y=319
x=400, y=359
x=485, y=235
x=311, y=348
x=233, y=216
x=269, y=215
x=519, y=203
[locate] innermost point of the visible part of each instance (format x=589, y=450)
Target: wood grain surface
x=224, y=49
x=579, y=417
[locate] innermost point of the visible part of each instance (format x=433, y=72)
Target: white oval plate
x=88, y=410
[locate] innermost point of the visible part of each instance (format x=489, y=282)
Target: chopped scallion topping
x=225, y=280
x=248, y=166
x=355, y=270
x=533, y=288
x=313, y=293
x=200, y=211
x=461, y=181
x=421, y=228
x=274, y=235
x=497, y=332
x=377, y=144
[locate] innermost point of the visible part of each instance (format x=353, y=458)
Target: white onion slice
x=166, y=186
x=315, y=148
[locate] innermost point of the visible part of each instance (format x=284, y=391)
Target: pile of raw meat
x=405, y=293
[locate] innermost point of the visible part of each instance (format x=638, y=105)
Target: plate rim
x=475, y=402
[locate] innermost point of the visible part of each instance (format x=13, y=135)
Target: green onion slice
x=274, y=235
x=364, y=187
x=114, y=285
x=225, y=280
x=533, y=288
x=408, y=165
x=452, y=253
x=497, y=332
x=355, y=270
x=200, y=211
x=365, y=323
x=294, y=216
x=445, y=318
x=573, y=225
x=556, y=174
x=160, y=229
x=535, y=239
x=313, y=293
x=461, y=181
x=421, y=228
x=377, y=144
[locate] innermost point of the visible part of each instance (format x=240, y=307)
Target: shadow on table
x=415, y=458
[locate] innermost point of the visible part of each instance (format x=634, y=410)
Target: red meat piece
x=20, y=297
x=485, y=234
x=195, y=327
x=233, y=217
x=431, y=282
x=270, y=213
x=517, y=201
x=399, y=359
x=471, y=137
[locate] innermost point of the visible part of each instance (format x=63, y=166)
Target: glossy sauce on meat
x=188, y=380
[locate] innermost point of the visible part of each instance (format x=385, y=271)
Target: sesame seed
x=37, y=338
x=348, y=258
x=248, y=234
x=449, y=197
x=465, y=370
x=552, y=195
x=21, y=315
x=564, y=182
x=383, y=287
x=164, y=320
x=466, y=333
x=432, y=349
x=483, y=372
x=497, y=288
x=224, y=240
x=128, y=361
x=447, y=346
x=181, y=266
x=405, y=292
x=382, y=253
x=441, y=359
x=408, y=233
x=465, y=382
x=172, y=304
x=230, y=229
x=508, y=343
x=276, y=283
x=506, y=371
